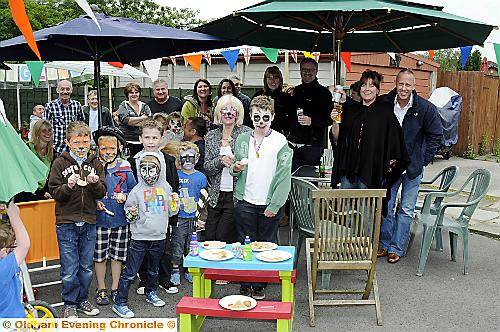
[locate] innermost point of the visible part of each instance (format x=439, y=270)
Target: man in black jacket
x=423, y=133
x=307, y=134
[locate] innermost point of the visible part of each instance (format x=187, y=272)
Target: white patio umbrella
x=87, y=68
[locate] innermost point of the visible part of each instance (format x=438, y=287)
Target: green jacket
x=281, y=183
x=192, y=109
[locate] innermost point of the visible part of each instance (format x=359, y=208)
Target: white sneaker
x=140, y=290
x=169, y=289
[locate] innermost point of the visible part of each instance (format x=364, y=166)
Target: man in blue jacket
x=423, y=133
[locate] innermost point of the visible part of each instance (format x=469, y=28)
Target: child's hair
x=199, y=124
x=6, y=234
x=263, y=103
x=150, y=123
x=162, y=120
x=186, y=145
x=173, y=115
x=106, y=137
x=172, y=149
x=77, y=128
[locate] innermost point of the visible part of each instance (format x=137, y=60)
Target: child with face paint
x=191, y=183
x=76, y=182
x=148, y=208
x=174, y=131
x=112, y=227
x=263, y=171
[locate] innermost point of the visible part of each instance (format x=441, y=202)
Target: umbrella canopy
x=87, y=68
x=361, y=25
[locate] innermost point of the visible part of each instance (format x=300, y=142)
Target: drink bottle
x=193, y=245
x=247, y=250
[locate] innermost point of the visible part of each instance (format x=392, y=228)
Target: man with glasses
x=314, y=103
x=245, y=100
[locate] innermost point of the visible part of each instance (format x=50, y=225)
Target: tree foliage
x=450, y=60
x=45, y=13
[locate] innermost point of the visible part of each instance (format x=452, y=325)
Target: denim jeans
x=345, y=183
x=76, y=251
x=396, y=226
x=165, y=266
x=181, y=236
x=136, y=253
x=250, y=220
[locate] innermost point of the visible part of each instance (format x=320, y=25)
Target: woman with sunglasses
x=219, y=147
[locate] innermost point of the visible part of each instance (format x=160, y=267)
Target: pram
x=449, y=106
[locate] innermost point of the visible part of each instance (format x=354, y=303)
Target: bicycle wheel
x=39, y=311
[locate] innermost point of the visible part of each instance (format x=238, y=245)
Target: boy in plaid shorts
x=112, y=227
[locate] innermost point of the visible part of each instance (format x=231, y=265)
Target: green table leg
x=284, y=325
x=198, y=282
x=208, y=287
x=186, y=323
x=286, y=286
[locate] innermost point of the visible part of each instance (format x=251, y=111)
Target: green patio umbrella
x=350, y=25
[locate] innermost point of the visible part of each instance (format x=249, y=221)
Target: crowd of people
x=132, y=188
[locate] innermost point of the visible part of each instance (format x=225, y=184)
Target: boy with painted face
x=148, y=208
x=263, y=171
x=174, y=130
x=112, y=227
x=76, y=182
x=191, y=183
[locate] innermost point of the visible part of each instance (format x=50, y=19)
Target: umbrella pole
x=97, y=83
x=337, y=61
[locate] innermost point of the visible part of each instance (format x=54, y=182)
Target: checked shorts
x=111, y=243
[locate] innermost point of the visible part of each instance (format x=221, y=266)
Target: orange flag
x=431, y=55
x=116, y=64
x=346, y=57
x=194, y=60
x=20, y=17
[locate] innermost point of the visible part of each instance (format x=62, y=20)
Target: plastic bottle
x=322, y=169
x=247, y=250
x=193, y=245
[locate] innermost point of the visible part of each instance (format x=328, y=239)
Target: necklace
x=256, y=145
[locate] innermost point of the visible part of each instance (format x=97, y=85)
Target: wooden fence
x=480, y=107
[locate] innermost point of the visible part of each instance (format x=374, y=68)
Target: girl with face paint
x=263, y=172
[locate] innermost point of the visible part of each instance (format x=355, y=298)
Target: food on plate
x=262, y=245
x=240, y=305
x=81, y=183
x=213, y=244
x=220, y=254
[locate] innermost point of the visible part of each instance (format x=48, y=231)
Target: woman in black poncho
x=370, y=149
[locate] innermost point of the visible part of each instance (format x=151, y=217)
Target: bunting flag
x=294, y=55
x=174, y=61
x=86, y=8
x=231, y=57
x=20, y=17
x=346, y=57
x=208, y=56
x=271, y=53
x=247, y=52
x=153, y=68
x=465, y=54
x=116, y=64
x=308, y=54
x=194, y=60
x=35, y=68
x=497, y=53
x=392, y=55
x=431, y=55
x=316, y=55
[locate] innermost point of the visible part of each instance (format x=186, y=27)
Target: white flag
x=153, y=68
x=86, y=8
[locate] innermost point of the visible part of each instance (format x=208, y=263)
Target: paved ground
x=442, y=300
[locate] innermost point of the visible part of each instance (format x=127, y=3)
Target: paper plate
x=273, y=256
x=216, y=254
x=237, y=302
x=263, y=246
x=213, y=244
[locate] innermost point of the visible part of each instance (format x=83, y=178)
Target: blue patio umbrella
x=120, y=39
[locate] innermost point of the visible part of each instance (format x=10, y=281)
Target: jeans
x=137, y=251
x=76, y=251
x=165, y=266
x=395, y=227
x=346, y=184
x=181, y=236
x=250, y=220
x=220, y=220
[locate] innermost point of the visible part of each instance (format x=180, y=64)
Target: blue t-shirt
x=10, y=301
x=190, y=186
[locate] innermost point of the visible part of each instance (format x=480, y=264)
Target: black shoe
x=113, y=295
x=246, y=290
x=258, y=294
x=168, y=287
x=101, y=297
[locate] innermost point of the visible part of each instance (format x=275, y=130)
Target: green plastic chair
x=445, y=178
x=303, y=210
x=457, y=227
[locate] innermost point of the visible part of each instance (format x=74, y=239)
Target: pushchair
x=449, y=106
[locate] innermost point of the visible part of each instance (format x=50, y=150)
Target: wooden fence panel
x=480, y=107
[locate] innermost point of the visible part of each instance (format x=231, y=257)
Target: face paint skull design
x=175, y=125
x=108, y=149
x=149, y=168
x=187, y=159
x=261, y=119
x=228, y=112
x=79, y=145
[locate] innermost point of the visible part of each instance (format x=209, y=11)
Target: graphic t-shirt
x=10, y=301
x=190, y=186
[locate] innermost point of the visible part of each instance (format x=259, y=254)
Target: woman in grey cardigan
x=219, y=147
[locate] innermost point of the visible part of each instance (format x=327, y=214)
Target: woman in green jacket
x=199, y=104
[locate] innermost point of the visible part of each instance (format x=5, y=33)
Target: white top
x=401, y=112
x=261, y=170
x=226, y=180
x=93, y=121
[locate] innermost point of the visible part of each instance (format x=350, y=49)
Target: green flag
x=35, y=68
x=497, y=53
x=271, y=53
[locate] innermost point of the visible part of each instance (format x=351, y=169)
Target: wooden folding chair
x=347, y=229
